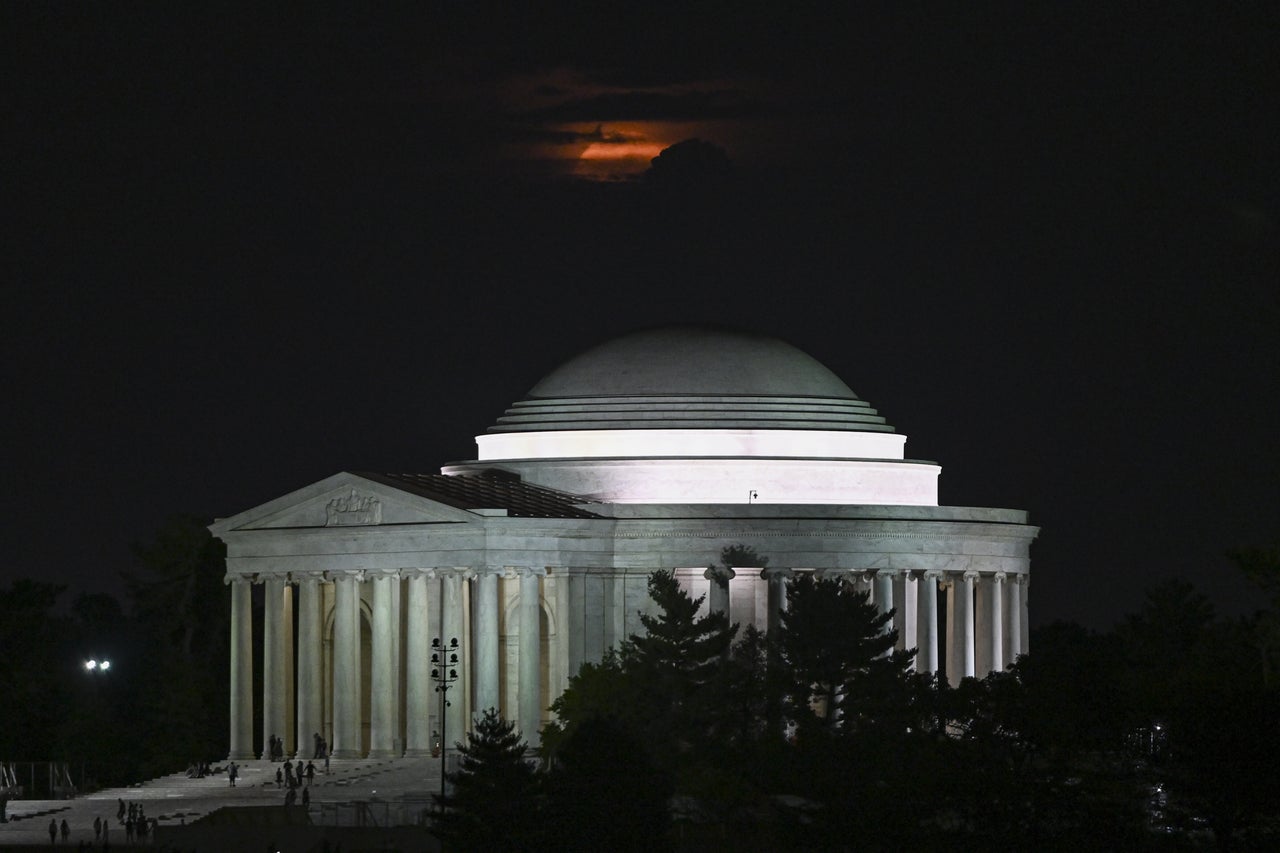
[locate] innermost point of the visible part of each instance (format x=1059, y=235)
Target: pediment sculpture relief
x=354, y=509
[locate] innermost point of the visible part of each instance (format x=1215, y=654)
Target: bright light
x=105, y=665
x=91, y=665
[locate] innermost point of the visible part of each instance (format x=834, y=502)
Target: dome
x=694, y=415
x=688, y=377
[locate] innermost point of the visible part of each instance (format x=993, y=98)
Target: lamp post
x=444, y=672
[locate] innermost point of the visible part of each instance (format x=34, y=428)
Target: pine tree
x=494, y=805
x=837, y=652
x=679, y=654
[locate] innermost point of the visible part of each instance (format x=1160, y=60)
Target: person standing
x=66, y=831
x=232, y=772
x=319, y=744
x=311, y=772
x=53, y=831
x=97, y=828
x=306, y=798
x=120, y=811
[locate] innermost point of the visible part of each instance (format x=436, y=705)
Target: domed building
x=656, y=450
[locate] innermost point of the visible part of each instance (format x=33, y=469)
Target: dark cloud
x=652, y=106
x=529, y=134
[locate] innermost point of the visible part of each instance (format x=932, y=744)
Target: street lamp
x=97, y=665
x=444, y=672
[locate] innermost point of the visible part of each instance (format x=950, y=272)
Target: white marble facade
x=538, y=563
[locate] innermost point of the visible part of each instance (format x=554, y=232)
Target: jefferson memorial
x=656, y=450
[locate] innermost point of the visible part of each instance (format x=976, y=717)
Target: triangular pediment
x=344, y=500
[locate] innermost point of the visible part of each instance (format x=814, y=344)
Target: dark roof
x=489, y=490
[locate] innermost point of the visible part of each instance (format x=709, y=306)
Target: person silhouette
x=53, y=831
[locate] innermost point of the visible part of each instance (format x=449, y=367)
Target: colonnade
x=982, y=627
x=985, y=617
x=404, y=702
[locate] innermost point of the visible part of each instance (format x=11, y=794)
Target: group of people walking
x=137, y=826
x=293, y=774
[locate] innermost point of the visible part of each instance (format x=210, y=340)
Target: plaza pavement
x=394, y=790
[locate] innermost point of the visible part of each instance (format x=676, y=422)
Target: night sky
x=245, y=251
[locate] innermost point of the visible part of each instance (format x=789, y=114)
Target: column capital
x=416, y=572
x=721, y=574
x=971, y=575
x=229, y=579
x=779, y=573
x=525, y=571
x=888, y=573
x=460, y=572
x=1000, y=577
x=932, y=574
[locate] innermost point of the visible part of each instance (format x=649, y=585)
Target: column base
x=418, y=753
x=384, y=753
x=348, y=753
x=240, y=756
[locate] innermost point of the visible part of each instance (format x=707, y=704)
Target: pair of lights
x=99, y=665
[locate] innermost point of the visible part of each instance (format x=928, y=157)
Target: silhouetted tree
x=495, y=802
x=678, y=653
x=659, y=686
x=1262, y=567
x=37, y=666
x=182, y=607
x=606, y=792
x=837, y=651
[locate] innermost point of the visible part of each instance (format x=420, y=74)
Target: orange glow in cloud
x=628, y=150
x=617, y=151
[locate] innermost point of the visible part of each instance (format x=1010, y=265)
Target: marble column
x=884, y=595
x=241, y=669
x=310, y=683
x=997, y=622
x=718, y=594
x=1015, y=617
x=776, y=590
x=346, y=667
x=560, y=650
x=530, y=685
x=420, y=688
x=906, y=619
x=485, y=642
x=577, y=626
x=927, y=657
x=382, y=690
x=617, y=609
x=1025, y=645
x=274, y=704
x=451, y=626
x=964, y=611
